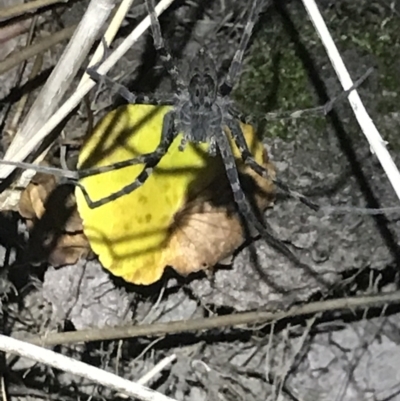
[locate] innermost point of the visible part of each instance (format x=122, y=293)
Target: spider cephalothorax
x=199, y=107
x=204, y=113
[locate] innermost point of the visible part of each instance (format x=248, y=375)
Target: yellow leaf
x=138, y=235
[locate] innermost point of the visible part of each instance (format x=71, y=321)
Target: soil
x=333, y=356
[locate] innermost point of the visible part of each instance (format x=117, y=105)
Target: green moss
x=275, y=78
x=373, y=30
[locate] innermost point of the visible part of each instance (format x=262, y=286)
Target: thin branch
x=66, y=364
x=153, y=372
x=61, y=78
x=41, y=46
x=157, y=369
x=378, y=145
x=20, y=9
x=37, y=137
x=179, y=326
x=109, y=35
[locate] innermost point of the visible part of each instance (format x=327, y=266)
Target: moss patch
x=275, y=79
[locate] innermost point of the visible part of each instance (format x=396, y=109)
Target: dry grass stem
x=40, y=132
x=25, y=8
x=61, y=78
x=378, y=145
x=214, y=322
x=66, y=364
x=37, y=48
x=109, y=35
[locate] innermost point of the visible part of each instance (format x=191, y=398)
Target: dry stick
x=36, y=68
x=109, y=36
x=179, y=326
x=14, y=11
x=12, y=30
x=160, y=366
x=5, y=201
x=39, y=47
x=297, y=348
x=66, y=364
x=35, y=139
x=37, y=64
x=378, y=145
x=157, y=369
x=62, y=75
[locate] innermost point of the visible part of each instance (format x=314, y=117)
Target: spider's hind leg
x=244, y=206
x=248, y=158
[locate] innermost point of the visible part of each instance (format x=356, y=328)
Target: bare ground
x=334, y=356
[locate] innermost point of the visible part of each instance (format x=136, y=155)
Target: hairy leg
x=167, y=136
x=161, y=48
x=150, y=160
x=133, y=98
x=236, y=65
x=244, y=206
x=248, y=158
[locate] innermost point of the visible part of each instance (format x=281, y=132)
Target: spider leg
x=160, y=47
x=133, y=98
x=236, y=65
x=150, y=159
x=248, y=158
x=242, y=202
x=167, y=136
x=245, y=119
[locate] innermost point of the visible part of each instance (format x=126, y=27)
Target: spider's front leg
x=248, y=158
x=149, y=159
x=132, y=98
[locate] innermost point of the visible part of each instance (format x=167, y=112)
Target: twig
x=37, y=137
x=109, y=36
x=11, y=31
x=290, y=362
x=359, y=210
x=39, y=47
x=179, y=326
x=14, y=11
x=324, y=109
x=378, y=145
x=3, y=388
x=152, y=372
x=37, y=64
x=66, y=364
x=63, y=74
x=157, y=369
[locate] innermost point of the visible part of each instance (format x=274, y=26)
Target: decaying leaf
x=183, y=216
x=208, y=229
x=56, y=232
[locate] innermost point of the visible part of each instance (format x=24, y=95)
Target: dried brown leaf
x=208, y=230
x=55, y=225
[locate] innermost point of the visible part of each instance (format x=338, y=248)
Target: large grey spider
x=201, y=111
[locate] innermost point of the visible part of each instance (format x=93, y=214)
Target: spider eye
x=209, y=83
x=202, y=89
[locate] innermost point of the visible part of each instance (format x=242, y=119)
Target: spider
x=201, y=111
